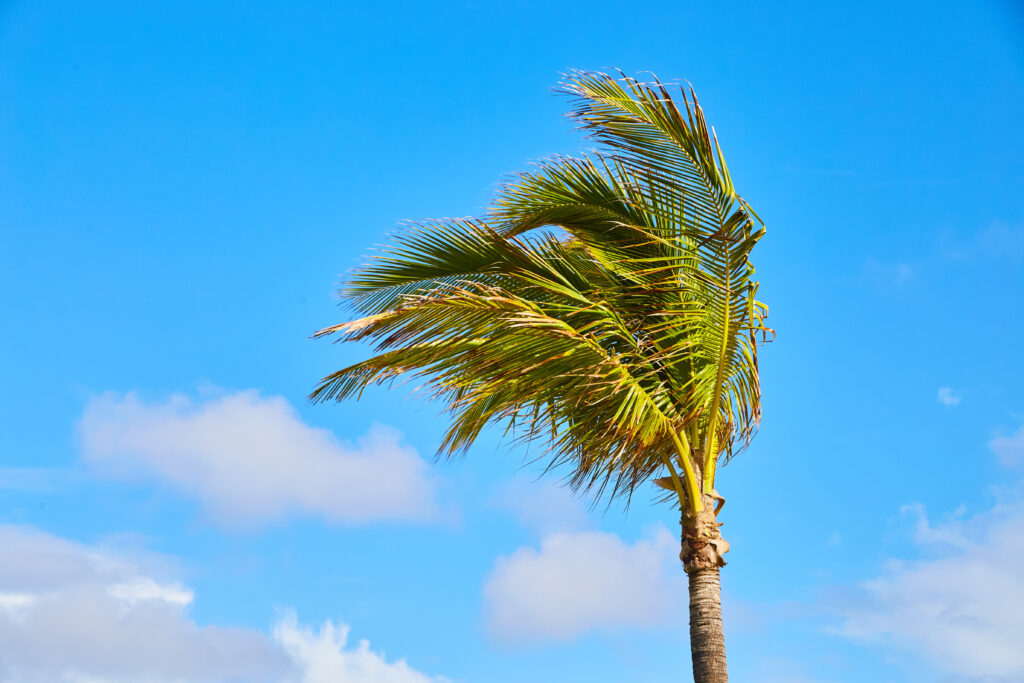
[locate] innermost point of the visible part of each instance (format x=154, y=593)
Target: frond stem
x=710, y=462
x=693, y=489
x=675, y=482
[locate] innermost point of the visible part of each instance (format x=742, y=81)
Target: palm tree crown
x=603, y=307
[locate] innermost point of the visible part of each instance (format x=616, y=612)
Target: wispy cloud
x=36, y=479
x=575, y=583
x=779, y=669
x=889, y=274
x=1009, y=449
x=1002, y=240
x=998, y=241
x=542, y=506
x=947, y=397
x=251, y=459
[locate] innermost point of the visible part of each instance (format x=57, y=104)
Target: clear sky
x=180, y=188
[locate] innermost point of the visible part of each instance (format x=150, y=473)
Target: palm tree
x=604, y=307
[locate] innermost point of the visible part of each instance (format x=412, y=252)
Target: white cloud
x=948, y=397
x=543, y=506
x=1009, y=449
x=142, y=588
x=323, y=658
x=251, y=459
x=75, y=613
x=72, y=613
x=962, y=609
x=577, y=582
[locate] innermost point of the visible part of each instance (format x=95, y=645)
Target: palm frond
x=624, y=342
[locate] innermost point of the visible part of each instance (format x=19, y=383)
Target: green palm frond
x=649, y=133
x=624, y=341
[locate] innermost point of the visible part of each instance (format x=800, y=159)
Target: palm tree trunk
x=707, y=644
x=702, y=554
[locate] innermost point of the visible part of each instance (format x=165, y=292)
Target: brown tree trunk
x=702, y=551
x=707, y=644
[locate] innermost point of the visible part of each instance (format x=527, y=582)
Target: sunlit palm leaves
x=622, y=340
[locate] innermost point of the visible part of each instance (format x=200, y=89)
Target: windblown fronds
x=624, y=342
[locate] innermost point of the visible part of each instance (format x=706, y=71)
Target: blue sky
x=180, y=188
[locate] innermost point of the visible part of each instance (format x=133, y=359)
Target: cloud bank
x=578, y=582
x=73, y=613
x=960, y=609
x=250, y=459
